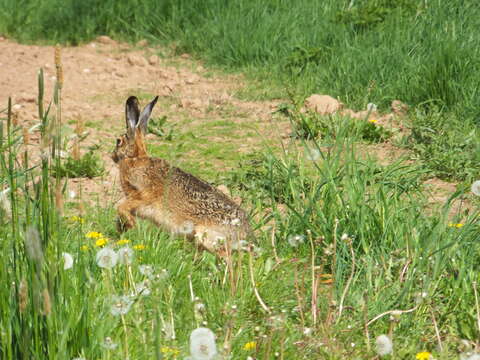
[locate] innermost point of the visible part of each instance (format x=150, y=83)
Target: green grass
x=399, y=251
x=367, y=247
x=422, y=52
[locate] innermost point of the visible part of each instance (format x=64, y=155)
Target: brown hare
x=170, y=197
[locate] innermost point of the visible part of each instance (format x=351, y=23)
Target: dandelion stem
x=125, y=337
x=476, y=304
x=314, y=280
x=252, y=279
x=391, y=312
x=274, y=247
x=437, y=332
x=349, y=281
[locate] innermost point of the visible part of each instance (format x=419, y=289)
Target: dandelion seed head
x=199, y=307
x=142, y=288
x=295, y=240
x=72, y=194
x=125, y=255
x=312, y=154
x=109, y=344
x=202, y=344
x=476, y=188
x=106, y=258
x=384, y=345
x=371, y=107
x=146, y=270
x=67, y=261
x=120, y=305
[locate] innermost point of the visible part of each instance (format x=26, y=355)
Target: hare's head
x=131, y=144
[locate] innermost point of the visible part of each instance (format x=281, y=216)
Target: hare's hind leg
x=126, y=208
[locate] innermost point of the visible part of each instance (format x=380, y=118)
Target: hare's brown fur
x=174, y=199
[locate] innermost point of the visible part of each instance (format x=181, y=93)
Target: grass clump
x=448, y=148
x=89, y=165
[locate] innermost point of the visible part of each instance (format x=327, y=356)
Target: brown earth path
x=100, y=75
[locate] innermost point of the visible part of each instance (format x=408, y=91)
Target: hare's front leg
x=126, y=209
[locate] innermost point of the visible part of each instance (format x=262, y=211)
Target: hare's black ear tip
x=132, y=100
x=154, y=101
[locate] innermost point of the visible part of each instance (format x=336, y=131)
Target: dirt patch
x=100, y=75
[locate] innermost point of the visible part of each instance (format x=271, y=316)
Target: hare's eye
x=119, y=141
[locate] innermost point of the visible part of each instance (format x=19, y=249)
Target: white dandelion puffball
x=473, y=356
x=109, y=344
x=371, y=107
x=120, y=305
x=384, y=345
x=142, y=288
x=312, y=154
x=67, y=261
x=106, y=258
x=125, y=255
x=295, y=240
x=476, y=188
x=146, y=270
x=202, y=344
x=186, y=228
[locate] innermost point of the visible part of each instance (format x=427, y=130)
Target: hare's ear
x=132, y=113
x=145, y=115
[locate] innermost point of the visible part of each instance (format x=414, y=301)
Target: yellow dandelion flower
x=458, y=226
x=84, y=247
x=251, y=345
x=373, y=121
x=169, y=351
x=123, y=241
x=101, y=242
x=94, y=235
x=139, y=247
x=75, y=218
x=424, y=355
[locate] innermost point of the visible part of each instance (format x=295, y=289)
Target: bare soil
x=99, y=76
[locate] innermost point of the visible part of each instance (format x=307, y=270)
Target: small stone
x=106, y=40
x=142, y=43
x=399, y=108
x=323, y=104
x=185, y=56
x=153, y=60
x=136, y=60
x=27, y=98
x=190, y=81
